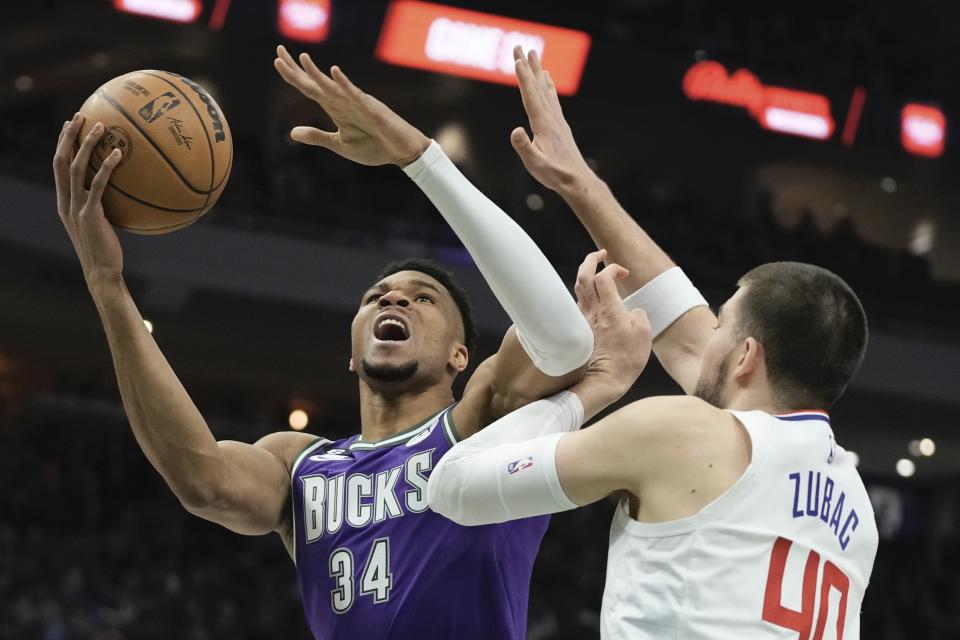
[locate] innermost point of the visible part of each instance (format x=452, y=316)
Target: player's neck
x=753, y=399
x=381, y=415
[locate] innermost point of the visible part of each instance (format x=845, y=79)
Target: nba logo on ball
x=520, y=465
x=158, y=106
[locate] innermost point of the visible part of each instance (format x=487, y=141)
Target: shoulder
x=679, y=425
x=669, y=416
x=678, y=440
x=288, y=445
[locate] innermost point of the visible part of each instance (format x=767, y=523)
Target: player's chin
x=392, y=348
x=388, y=371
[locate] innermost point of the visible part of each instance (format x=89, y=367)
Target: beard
x=711, y=390
x=389, y=375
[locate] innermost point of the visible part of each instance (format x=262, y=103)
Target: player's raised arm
x=514, y=469
x=492, y=477
x=680, y=318
x=552, y=340
x=243, y=487
x=536, y=461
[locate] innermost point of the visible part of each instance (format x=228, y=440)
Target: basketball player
x=743, y=518
x=372, y=560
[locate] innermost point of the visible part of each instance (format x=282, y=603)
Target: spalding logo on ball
x=176, y=144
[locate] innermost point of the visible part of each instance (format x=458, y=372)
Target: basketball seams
x=158, y=230
x=229, y=167
x=153, y=144
x=206, y=133
x=155, y=206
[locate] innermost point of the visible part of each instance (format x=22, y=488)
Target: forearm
x=613, y=229
x=507, y=471
x=165, y=422
x=678, y=313
x=550, y=327
x=510, y=470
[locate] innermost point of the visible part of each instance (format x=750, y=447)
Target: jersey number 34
x=376, y=579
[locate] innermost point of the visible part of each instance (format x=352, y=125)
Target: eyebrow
x=425, y=285
x=419, y=283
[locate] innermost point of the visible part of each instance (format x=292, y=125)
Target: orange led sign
x=780, y=109
x=478, y=45
x=175, y=10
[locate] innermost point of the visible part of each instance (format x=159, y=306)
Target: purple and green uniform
x=374, y=561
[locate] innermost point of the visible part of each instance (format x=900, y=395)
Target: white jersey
x=786, y=552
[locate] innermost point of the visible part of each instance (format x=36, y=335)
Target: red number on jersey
x=802, y=621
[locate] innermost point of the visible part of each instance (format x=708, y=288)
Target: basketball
x=176, y=144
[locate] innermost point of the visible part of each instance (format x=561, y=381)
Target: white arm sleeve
x=508, y=470
x=551, y=329
x=665, y=299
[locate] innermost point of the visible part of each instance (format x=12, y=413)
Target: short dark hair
x=444, y=277
x=812, y=327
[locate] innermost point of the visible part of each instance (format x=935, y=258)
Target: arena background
x=252, y=304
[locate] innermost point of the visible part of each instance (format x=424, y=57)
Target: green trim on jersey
x=319, y=442
x=396, y=438
x=449, y=429
x=307, y=449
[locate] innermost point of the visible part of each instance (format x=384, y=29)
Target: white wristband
x=665, y=299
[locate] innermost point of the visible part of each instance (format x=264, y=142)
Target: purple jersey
x=374, y=561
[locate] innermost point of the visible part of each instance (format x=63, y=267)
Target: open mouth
x=390, y=329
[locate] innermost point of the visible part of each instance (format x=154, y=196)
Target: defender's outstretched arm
x=554, y=159
x=520, y=465
x=556, y=341
x=536, y=461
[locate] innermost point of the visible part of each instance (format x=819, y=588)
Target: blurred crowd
x=712, y=242
x=94, y=546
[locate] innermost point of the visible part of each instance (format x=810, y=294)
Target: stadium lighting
x=175, y=10
x=927, y=447
x=452, y=138
x=149, y=326
x=906, y=467
x=23, y=83
x=923, y=237
x=298, y=420
x=304, y=20
x=923, y=130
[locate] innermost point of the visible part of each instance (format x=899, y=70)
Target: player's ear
x=749, y=359
x=459, y=357
x=350, y=365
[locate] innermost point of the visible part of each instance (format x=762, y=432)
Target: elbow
x=440, y=497
x=567, y=351
x=445, y=496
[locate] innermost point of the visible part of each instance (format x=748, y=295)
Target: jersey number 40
x=376, y=579
x=802, y=621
